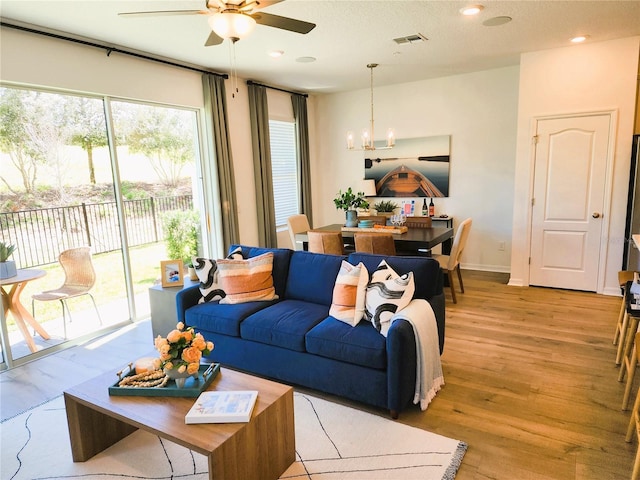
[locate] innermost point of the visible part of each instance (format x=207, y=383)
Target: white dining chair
x=451, y=262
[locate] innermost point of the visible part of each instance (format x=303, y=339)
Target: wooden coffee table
x=261, y=449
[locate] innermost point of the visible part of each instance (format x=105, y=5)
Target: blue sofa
x=294, y=340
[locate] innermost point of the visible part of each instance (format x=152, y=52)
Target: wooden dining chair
x=321, y=241
x=379, y=243
x=634, y=422
x=297, y=224
x=418, y=222
x=376, y=219
x=450, y=263
x=620, y=334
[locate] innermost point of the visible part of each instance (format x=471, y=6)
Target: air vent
x=418, y=37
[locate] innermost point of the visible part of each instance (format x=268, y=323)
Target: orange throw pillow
x=247, y=280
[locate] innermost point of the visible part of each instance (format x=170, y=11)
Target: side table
x=448, y=221
x=163, y=307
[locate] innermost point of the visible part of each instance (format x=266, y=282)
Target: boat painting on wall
x=415, y=167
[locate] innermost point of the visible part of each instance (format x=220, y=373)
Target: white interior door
x=567, y=216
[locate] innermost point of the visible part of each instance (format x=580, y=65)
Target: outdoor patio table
x=11, y=303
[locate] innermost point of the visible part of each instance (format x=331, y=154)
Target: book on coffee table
x=222, y=407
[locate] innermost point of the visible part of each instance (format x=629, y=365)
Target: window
x=284, y=170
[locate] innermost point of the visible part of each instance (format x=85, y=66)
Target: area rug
x=333, y=442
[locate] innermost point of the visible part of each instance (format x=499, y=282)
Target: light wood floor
x=531, y=383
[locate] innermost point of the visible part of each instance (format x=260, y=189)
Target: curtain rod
x=109, y=50
x=251, y=82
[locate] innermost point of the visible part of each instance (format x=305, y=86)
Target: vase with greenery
x=385, y=207
x=7, y=267
x=349, y=201
x=182, y=229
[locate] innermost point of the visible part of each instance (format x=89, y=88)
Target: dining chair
x=450, y=263
x=379, y=243
x=634, y=424
x=297, y=224
x=376, y=219
x=321, y=241
x=79, y=279
x=418, y=222
x=620, y=334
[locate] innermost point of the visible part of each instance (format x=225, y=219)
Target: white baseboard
x=485, y=268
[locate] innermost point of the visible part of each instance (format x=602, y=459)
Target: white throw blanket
x=429, y=376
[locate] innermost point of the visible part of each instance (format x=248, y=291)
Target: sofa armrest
x=401, y=365
x=185, y=298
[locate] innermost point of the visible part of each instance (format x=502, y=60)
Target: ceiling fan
x=235, y=19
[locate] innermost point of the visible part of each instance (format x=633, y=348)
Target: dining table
x=11, y=304
x=413, y=239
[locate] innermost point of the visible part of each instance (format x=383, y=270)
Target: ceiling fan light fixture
x=233, y=25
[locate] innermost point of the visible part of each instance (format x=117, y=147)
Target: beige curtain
x=259, y=116
x=299, y=103
x=215, y=102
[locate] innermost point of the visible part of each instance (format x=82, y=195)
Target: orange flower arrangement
x=182, y=349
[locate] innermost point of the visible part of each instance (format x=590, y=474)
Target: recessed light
x=496, y=21
x=579, y=38
x=471, y=10
x=305, y=59
x=276, y=53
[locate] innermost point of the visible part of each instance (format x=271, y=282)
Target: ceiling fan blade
x=283, y=23
x=213, y=39
x=164, y=12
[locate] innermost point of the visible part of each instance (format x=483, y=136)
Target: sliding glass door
x=157, y=157
x=98, y=172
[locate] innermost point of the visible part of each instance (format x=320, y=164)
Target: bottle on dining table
x=432, y=208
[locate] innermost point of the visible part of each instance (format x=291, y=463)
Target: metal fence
x=41, y=234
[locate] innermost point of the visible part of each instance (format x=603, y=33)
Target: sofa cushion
x=387, y=293
x=219, y=318
x=284, y=324
x=349, y=292
x=247, y=280
x=207, y=272
x=426, y=271
x=360, y=345
x=312, y=276
x=281, y=258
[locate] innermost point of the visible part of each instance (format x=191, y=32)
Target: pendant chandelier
x=368, y=138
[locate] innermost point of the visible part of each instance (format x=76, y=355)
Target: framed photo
x=419, y=168
x=172, y=273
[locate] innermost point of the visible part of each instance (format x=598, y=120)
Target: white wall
x=581, y=78
x=478, y=110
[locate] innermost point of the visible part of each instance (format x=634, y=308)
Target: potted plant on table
x=385, y=208
x=7, y=267
x=349, y=201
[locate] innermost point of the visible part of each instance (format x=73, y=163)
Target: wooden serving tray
x=192, y=387
x=387, y=229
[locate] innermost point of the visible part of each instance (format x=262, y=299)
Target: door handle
x=595, y=215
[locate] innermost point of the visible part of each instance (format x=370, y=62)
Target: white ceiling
x=349, y=35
